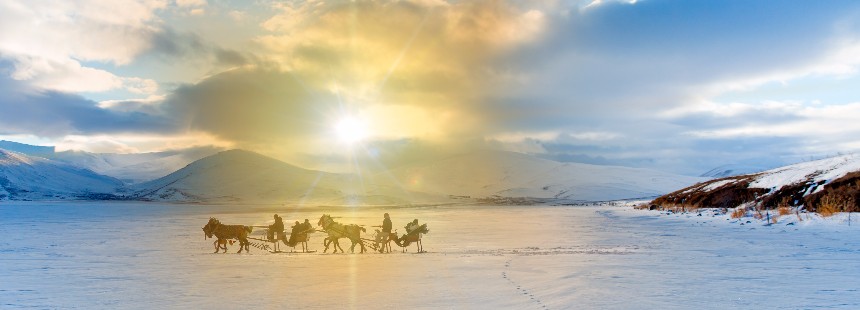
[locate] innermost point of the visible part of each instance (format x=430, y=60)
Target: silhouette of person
x=386, y=224
x=277, y=227
x=412, y=226
x=294, y=233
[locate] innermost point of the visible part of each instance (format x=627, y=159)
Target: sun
x=351, y=130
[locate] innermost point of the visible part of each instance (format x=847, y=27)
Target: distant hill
x=246, y=176
x=833, y=182
x=134, y=168
x=731, y=170
x=24, y=177
x=32, y=150
x=243, y=176
x=509, y=174
x=129, y=168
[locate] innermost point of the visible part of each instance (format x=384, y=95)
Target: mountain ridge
x=731, y=170
x=25, y=177
x=135, y=167
x=824, y=183
x=510, y=174
x=239, y=175
x=244, y=177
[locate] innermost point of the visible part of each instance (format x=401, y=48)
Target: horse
x=337, y=230
x=225, y=232
x=412, y=236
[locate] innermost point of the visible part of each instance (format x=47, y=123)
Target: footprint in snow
x=519, y=288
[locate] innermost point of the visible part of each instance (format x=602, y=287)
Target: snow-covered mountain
x=810, y=184
x=509, y=174
x=130, y=168
x=24, y=177
x=731, y=170
x=245, y=176
x=134, y=168
x=27, y=149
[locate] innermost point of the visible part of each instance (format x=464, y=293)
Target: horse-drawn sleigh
x=334, y=232
x=273, y=245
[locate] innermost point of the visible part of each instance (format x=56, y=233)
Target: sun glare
x=351, y=130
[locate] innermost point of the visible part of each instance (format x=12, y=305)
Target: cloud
x=431, y=58
x=593, y=4
x=197, y=143
x=812, y=123
x=113, y=31
x=636, y=57
x=186, y=3
x=237, y=16
x=150, y=105
x=63, y=75
x=172, y=44
x=679, y=86
x=632, y=71
x=28, y=110
x=182, y=51
x=36, y=38
x=88, y=46
x=255, y=106
x=416, y=69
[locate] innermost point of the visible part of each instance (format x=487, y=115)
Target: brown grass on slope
x=729, y=195
x=840, y=195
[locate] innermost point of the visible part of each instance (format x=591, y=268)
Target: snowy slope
x=134, y=168
x=29, y=177
x=229, y=175
x=27, y=149
x=244, y=176
x=802, y=184
x=509, y=174
x=731, y=170
x=825, y=170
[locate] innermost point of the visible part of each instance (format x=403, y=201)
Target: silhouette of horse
x=226, y=232
x=337, y=230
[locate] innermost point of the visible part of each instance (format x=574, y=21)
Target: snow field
x=134, y=255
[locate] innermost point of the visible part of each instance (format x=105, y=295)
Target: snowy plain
x=142, y=256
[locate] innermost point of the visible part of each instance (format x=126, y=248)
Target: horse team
x=334, y=230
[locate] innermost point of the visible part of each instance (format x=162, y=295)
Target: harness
x=327, y=227
x=212, y=228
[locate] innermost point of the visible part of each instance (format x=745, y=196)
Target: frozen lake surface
x=138, y=255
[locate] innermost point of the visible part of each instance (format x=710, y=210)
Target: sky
x=678, y=86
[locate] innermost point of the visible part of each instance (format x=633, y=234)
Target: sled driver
x=277, y=227
x=412, y=226
x=386, y=224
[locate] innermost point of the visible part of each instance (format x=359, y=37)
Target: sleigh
x=381, y=241
x=413, y=237
x=302, y=239
x=273, y=241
